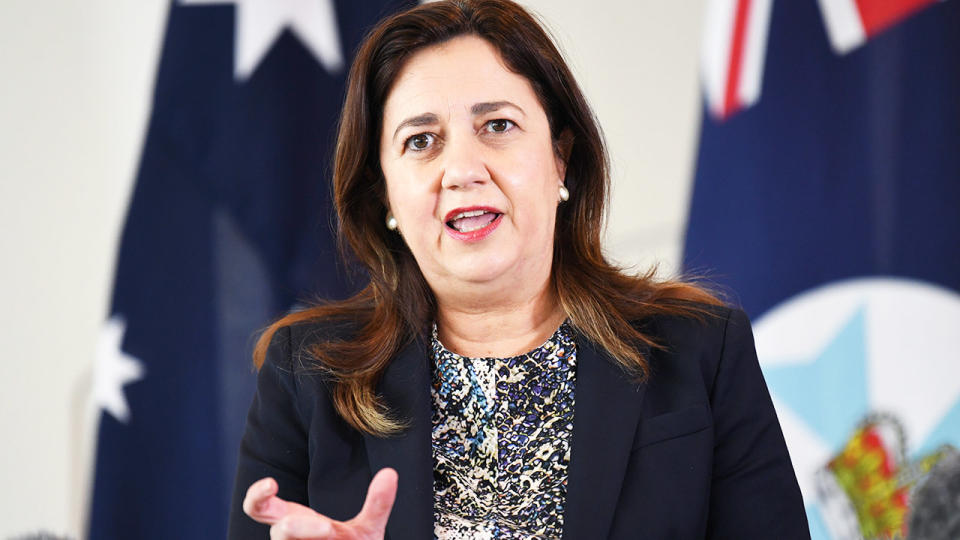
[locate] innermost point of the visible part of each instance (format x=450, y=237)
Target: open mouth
x=472, y=220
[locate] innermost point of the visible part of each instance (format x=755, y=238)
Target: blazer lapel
x=406, y=388
x=606, y=411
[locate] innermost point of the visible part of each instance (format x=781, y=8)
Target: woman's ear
x=562, y=147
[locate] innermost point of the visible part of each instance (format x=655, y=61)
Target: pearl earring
x=564, y=194
x=391, y=222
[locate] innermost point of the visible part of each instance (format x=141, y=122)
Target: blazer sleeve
x=275, y=442
x=754, y=491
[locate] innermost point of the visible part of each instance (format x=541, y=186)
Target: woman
x=502, y=377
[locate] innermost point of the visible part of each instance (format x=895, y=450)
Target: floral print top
x=501, y=440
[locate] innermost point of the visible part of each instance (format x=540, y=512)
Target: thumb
x=381, y=494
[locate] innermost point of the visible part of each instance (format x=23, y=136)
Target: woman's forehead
x=454, y=76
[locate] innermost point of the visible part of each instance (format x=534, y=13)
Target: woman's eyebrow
x=489, y=106
x=424, y=119
x=477, y=109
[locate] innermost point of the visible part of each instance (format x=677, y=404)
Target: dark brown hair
x=602, y=302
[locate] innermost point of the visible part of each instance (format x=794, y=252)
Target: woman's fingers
x=291, y=520
x=261, y=502
x=263, y=505
x=372, y=519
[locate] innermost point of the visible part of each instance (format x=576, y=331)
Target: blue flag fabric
x=229, y=225
x=828, y=204
x=847, y=165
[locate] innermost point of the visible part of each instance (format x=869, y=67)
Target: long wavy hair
x=603, y=302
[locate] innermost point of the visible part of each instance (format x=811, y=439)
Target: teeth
x=471, y=229
x=471, y=213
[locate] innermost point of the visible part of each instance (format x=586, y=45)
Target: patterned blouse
x=501, y=440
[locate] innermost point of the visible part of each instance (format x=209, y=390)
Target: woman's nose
x=464, y=165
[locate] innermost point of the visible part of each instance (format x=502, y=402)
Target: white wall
x=76, y=82
x=637, y=62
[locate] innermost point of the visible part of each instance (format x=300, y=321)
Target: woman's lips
x=471, y=224
x=471, y=221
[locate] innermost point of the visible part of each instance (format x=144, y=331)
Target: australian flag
x=229, y=225
x=827, y=201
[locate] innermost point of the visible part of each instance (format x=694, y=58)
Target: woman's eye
x=419, y=142
x=499, y=125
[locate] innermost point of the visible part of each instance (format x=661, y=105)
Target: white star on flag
x=260, y=22
x=114, y=369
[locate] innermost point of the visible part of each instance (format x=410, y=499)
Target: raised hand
x=292, y=521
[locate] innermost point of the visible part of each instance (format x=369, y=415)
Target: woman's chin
x=479, y=278
x=478, y=270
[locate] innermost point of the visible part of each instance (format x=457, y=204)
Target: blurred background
x=153, y=153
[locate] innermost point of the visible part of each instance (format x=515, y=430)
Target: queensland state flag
x=229, y=225
x=827, y=201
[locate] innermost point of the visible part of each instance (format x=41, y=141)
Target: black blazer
x=696, y=452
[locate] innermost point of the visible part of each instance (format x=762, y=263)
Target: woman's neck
x=500, y=330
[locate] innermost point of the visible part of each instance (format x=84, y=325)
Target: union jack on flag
x=735, y=42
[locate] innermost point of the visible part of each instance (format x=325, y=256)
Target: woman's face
x=472, y=176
